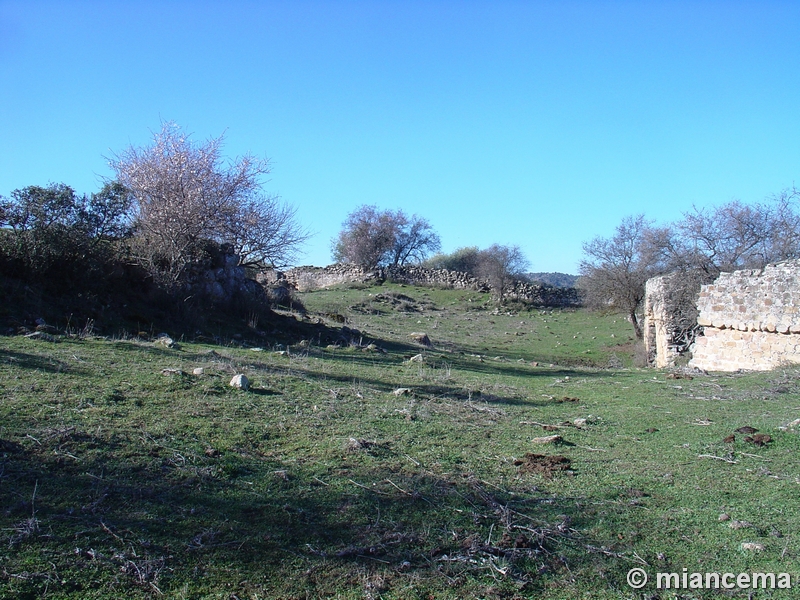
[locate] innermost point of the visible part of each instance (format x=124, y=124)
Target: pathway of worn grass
x=350, y=471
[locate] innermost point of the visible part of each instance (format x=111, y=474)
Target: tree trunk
x=637, y=326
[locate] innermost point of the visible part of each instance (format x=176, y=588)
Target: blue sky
x=540, y=124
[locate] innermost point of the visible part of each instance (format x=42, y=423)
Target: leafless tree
x=614, y=270
x=265, y=233
x=371, y=238
x=705, y=242
x=414, y=240
x=184, y=195
x=366, y=238
x=500, y=266
x=727, y=237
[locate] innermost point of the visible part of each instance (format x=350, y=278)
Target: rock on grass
x=240, y=382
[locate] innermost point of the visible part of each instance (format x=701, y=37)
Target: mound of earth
x=543, y=464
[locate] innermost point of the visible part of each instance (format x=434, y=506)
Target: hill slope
x=367, y=462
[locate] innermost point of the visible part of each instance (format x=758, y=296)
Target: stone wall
x=306, y=279
x=659, y=322
x=221, y=279
x=311, y=278
x=751, y=320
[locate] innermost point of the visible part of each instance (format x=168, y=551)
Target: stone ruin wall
x=659, y=323
x=751, y=320
x=306, y=279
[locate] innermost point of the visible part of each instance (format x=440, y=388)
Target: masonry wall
x=658, y=323
x=311, y=278
x=751, y=320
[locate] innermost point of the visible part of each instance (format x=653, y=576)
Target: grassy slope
x=118, y=481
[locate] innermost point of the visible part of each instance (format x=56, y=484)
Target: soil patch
x=543, y=464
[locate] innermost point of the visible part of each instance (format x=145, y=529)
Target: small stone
x=198, y=371
x=752, y=546
x=740, y=524
x=548, y=439
x=402, y=391
x=167, y=372
x=420, y=338
x=240, y=382
x=417, y=359
x=724, y=517
x=164, y=340
x=579, y=422
x=40, y=335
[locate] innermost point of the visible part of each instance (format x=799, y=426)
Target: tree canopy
x=375, y=238
x=184, y=195
x=700, y=245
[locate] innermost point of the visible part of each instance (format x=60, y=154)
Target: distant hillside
x=562, y=280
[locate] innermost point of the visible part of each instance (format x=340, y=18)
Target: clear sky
x=540, y=124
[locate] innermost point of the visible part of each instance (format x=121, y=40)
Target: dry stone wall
x=751, y=320
x=221, y=279
x=311, y=278
x=306, y=279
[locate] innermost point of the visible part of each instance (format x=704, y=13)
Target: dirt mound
x=543, y=464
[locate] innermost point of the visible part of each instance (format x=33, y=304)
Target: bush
x=53, y=236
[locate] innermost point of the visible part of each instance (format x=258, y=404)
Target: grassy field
x=365, y=464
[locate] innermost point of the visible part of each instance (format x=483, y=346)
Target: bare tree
x=184, y=195
x=614, y=270
x=414, y=241
x=786, y=225
x=500, y=266
x=265, y=233
x=373, y=238
x=727, y=237
x=366, y=238
x=705, y=242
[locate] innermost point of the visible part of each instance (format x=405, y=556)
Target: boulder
x=240, y=382
x=421, y=338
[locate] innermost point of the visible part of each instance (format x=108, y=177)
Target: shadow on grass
x=40, y=363
x=88, y=517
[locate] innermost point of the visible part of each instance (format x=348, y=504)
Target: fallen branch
x=592, y=449
x=371, y=489
x=722, y=458
x=545, y=425
x=755, y=456
x=392, y=483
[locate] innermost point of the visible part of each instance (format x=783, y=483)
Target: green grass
x=119, y=481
